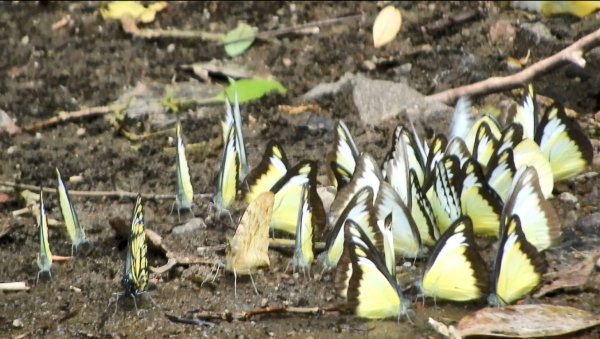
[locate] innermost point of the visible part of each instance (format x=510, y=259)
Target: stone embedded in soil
x=589, y=224
x=190, y=226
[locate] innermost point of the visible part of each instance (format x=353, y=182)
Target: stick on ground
x=571, y=54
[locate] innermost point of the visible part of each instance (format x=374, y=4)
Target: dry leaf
x=118, y=10
x=248, y=250
x=386, y=26
x=574, y=277
x=526, y=321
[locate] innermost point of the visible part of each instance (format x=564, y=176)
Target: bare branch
x=108, y=194
x=571, y=54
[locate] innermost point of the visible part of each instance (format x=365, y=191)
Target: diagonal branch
x=571, y=54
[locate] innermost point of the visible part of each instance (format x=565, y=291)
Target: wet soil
x=90, y=62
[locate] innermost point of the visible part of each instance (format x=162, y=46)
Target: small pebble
x=25, y=40
x=264, y=302
x=287, y=62
x=368, y=65
x=17, y=323
x=11, y=150
x=568, y=197
x=80, y=131
x=170, y=48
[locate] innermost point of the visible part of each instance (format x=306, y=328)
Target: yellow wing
x=528, y=153
x=539, y=220
x=526, y=113
x=444, y=194
x=457, y=147
x=501, y=172
x=436, y=153
x=304, y=243
x=367, y=173
x=69, y=214
x=404, y=155
x=135, y=275
x=564, y=144
x=227, y=178
x=372, y=292
x=472, y=134
x=360, y=210
x=232, y=119
x=288, y=198
x=44, y=258
x=343, y=157
x=185, y=192
x=273, y=166
x=479, y=201
x=485, y=145
x=518, y=268
x=455, y=270
x=404, y=231
x=248, y=249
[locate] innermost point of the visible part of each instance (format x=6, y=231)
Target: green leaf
x=239, y=40
x=251, y=89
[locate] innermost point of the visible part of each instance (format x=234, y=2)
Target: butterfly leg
x=254, y=285
x=137, y=311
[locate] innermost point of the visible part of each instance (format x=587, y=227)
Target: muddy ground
x=90, y=62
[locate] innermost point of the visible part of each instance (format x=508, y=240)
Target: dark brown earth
x=91, y=62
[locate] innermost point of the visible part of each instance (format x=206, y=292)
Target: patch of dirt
x=90, y=62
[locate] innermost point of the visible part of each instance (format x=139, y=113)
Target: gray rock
x=190, y=226
x=589, y=224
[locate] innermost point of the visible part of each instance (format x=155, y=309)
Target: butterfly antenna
x=191, y=212
x=254, y=285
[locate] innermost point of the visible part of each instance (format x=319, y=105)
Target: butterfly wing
x=455, y=270
x=44, y=258
x=135, y=275
x=538, y=218
x=185, y=191
x=564, y=144
x=344, y=156
x=372, y=291
x=74, y=229
x=518, y=268
x=273, y=166
x=227, y=177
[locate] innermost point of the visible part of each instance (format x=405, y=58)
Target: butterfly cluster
x=489, y=177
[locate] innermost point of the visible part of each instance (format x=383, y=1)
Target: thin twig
x=66, y=116
x=571, y=54
x=130, y=26
x=108, y=194
x=247, y=315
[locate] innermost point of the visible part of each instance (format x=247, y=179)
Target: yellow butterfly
x=404, y=155
x=248, y=249
x=422, y=212
x=44, y=257
x=455, y=270
x=273, y=166
x=372, y=291
x=288, y=199
x=184, y=199
x=525, y=114
x=304, y=254
x=519, y=266
x=228, y=175
x=405, y=234
x=233, y=119
x=367, y=173
x=444, y=192
x=360, y=210
x=74, y=228
x=564, y=143
x=479, y=201
x=135, y=272
x=538, y=218
x=501, y=172
x=342, y=159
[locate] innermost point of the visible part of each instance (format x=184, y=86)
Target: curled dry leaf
x=576, y=276
x=526, y=321
x=386, y=26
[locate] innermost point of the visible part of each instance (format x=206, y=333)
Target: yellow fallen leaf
x=118, y=10
x=386, y=26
